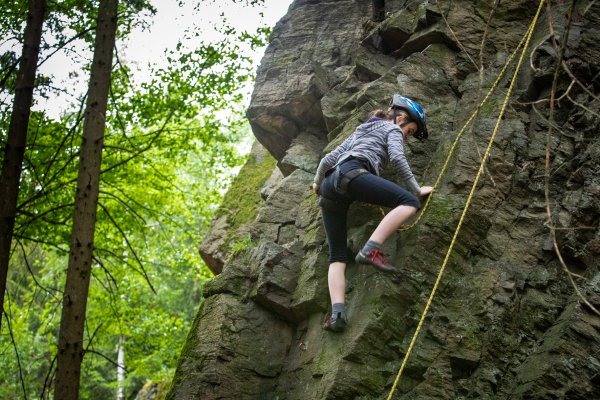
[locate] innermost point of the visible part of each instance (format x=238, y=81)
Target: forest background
x=175, y=134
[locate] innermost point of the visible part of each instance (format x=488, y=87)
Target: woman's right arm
x=331, y=159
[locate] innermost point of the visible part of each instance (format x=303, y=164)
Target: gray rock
x=505, y=322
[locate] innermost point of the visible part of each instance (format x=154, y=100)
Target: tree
x=167, y=157
x=17, y=137
x=70, y=342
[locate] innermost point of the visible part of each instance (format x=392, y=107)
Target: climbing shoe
x=375, y=258
x=337, y=324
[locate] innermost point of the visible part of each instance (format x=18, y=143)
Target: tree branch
x=137, y=203
x=48, y=380
x=109, y=290
x=62, y=45
x=458, y=42
x=116, y=364
x=33, y=275
x=106, y=271
x=54, y=245
x=10, y=71
x=28, y=222
x=124, y=204
x=550, y=223
x=46, y=182
x=124, y=236
x=70, y=132
x=162, y=129
x=112, y=97
x=12, y=338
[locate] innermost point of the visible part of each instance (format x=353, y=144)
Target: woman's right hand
x=315, y=188
x=425, y=190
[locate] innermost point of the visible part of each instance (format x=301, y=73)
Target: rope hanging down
x=464, y=128
x=467, y=204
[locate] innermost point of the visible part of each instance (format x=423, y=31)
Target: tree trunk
x=121, y=368
x=17, y=137
x=70, y=341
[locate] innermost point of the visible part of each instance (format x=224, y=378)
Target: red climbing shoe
x=334, y=324
x=376, y=259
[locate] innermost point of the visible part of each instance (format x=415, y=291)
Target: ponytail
x=379, y=113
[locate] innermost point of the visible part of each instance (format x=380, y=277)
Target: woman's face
x=408, y=127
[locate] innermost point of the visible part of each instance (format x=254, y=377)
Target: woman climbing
x=351, y=173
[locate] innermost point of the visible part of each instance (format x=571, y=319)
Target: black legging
x=366, y=188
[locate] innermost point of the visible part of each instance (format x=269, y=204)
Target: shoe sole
x=337, y=325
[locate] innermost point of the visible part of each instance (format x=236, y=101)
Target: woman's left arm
x=395, y=142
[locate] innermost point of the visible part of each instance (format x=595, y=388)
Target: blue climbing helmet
x=414, y=110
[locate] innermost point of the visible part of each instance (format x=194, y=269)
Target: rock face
x=506, y=322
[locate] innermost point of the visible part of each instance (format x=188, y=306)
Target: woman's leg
x=392, y=222
x=335, y=229
x=336, y=280
x=334, y=219
x=373, y=189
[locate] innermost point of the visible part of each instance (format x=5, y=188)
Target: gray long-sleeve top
x=377, y=142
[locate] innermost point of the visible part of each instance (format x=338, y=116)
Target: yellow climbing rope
x=464, y=128
x=467, y=204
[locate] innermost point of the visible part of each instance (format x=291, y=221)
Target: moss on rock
x=243, y=198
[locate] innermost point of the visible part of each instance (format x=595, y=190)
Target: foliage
x=243, y=244
x=69, y=25
x=170, y=148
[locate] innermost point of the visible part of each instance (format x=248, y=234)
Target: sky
x=145, y=47
x=171, y=23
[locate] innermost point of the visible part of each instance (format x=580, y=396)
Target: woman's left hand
x=425, y=190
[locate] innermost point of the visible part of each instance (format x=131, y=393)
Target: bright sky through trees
x=175, y=20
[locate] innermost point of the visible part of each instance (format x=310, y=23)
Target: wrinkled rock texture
x=506, y=323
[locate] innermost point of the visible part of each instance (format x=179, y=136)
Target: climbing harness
x=527, y=38
x=340, y=184
x=342, y=180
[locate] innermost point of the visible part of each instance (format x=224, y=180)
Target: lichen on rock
x=505, y=322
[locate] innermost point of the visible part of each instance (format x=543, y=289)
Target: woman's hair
x=379, y=113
